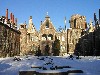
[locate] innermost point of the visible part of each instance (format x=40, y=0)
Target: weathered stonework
x=46, y=36
x=9, y=41
x=77, y=39
x=73, y=37
x=78, y=21
x=31, y=39
x=77, y=28
x=9, y=36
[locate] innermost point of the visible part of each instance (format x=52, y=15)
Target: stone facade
x=62, y=36
x=78, y=39
x=9, y=39
x=23, y=38
x=73, y=37
x=77, y=28
x=31, y=39
x=46, y=34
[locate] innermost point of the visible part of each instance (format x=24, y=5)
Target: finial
x=47, y=13
x=25, y=22
x=47, y=17
x=90, y=21
x=65, y=20
x=30, y=17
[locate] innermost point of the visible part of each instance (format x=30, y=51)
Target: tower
x=31, y=28
x=78, y=21
x=23, y=39
x=91, y=28
x=77, y=27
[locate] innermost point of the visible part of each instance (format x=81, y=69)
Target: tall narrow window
x=47, y=24
x=74, y=23
x=50, y=37
x=44, y=37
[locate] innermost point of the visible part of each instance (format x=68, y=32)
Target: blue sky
x=57, y=10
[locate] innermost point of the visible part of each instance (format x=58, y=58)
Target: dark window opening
x=50, y=36
x=47, y=24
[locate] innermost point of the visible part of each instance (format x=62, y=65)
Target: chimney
x=7, y=15
x=11, y=17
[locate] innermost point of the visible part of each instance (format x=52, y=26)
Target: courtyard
x=49, y=64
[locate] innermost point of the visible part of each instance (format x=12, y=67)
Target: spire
x=31, y=27
x=47, y=16
x=47, y=13
x=65, y=22
x=91, y=28
x=30, y=17
x=30, y=21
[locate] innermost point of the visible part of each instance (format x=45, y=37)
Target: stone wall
x=9, y=41
x=73, y=38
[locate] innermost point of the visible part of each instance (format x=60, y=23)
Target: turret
x=31, y=28
x=91, y=28
x=78, y=21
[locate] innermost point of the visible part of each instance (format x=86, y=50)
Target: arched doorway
x=44, y=37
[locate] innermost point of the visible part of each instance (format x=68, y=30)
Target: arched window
x=50, y=37
x=44, y=37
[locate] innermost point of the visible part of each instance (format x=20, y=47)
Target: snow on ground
x=90, y=65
